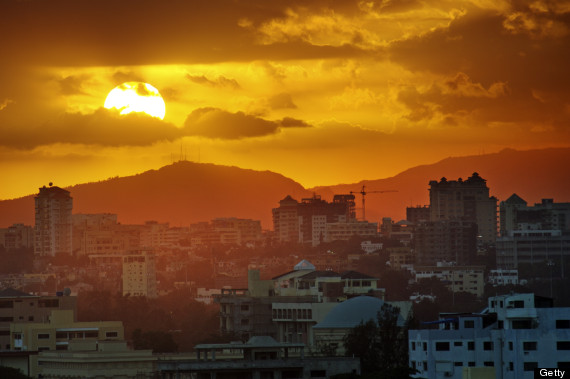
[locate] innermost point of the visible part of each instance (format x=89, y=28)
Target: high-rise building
x=445, y=241
x=54, y=224
x=306, y=222
x=139, y=275
x=466, y=200
x=546, y=215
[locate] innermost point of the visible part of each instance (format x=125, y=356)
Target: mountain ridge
x=186, y=192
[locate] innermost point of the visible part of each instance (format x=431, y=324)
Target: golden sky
x=323, y=92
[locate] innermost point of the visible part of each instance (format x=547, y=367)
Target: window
x=91, y=334
x=471, y=345
x=43, y=348
x=425, y=346
x=61, y=347
x=43, y=336
x=48, y=303
x=318, y=374
x=4, y=332
x=425, y=366
x=245, y=308
x=471, y=364
x=511, y=345
x=442, y=346
x=30, y=318
x=458, y=364
x=6, y=304
x=6, y=319
x=489, y=364
x=529, y=345
x=518, y=304
x=562, y=324
x=413, y=346
x=469, y=324
x=530, y=366
x=500, y=324
x=244, y=322
x=487, y=345
x=563, y=345
x=511, y=366
x=522, y=324
x=458, y=343
x=111, y=334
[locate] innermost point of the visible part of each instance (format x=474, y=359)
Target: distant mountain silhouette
x=187, y=192
x=180, y=193
x=532, y=174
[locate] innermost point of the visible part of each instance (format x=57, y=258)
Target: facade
x=445, y=240
x=418, y=213
x=20, y=307
x=343, y=231
x=515, y=214
x=400, y=257
x=54, y=225
x=17, y=236
x=97, y=359
x=532, y=247
x=259, y=358
x=469, y=279
x=139, y=275
x=503, y=277
x=61, y=328
x=467, y=200
x=514, y=335
x=306, y=222
x=286, y=220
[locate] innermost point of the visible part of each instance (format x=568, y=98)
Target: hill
x=187, y=192
x=181, y=193
x=532, y=174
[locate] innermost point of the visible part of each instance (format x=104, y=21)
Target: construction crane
x=363, y=192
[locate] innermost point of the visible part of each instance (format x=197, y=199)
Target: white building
x=503, y=277
x=515, y=334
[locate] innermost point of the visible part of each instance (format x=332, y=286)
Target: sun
x=136, y=97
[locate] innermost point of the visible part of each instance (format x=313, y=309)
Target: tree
x=381, y=344
x=11, y=373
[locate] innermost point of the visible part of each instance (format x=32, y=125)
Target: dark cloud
x=220, y=81
x=72, y=85
x=103, y=127
x=493, y=74
x=281, y=101
x=120, y=77
x=118, y=32
x=217, y=123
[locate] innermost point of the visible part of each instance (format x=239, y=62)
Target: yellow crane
x=363, y=192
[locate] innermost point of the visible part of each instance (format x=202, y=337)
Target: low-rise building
x=259, y=357
x=457, y=278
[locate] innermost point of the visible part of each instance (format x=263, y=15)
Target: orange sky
x=323, y=92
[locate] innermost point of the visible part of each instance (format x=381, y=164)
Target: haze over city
x=252, y=189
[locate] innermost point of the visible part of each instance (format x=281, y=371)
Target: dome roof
x=352, y=312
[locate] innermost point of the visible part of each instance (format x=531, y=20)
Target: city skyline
x=362, y=90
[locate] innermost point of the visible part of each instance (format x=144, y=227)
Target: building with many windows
x=139, y=274
x=514, y=335
x=466, y=200
x=20, y=307
x=54, y=225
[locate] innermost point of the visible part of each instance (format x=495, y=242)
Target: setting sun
x=136, y=97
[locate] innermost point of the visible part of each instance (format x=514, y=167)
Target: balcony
x=521, y=313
